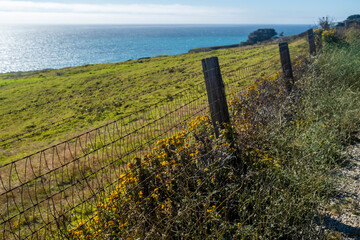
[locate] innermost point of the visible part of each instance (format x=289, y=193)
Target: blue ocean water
x=25, y=48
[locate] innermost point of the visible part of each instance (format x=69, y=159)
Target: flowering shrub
x=152, y=194
x=318, y=31
x=196, y=185
x=323, y=36
x=318, y=37
x=191, y=176
x=330, y=36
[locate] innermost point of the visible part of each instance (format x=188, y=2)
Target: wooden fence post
x=286, y=64
x=216, y=93
x=145, y=192
x=311, y=39
x=318, y=42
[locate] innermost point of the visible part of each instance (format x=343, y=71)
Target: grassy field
x=41, y=108
x=268, y=175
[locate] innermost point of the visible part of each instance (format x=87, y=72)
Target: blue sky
x=174, y=11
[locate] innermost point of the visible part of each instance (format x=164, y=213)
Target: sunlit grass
x=88, y=96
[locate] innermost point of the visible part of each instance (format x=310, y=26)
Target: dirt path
x=342, y=217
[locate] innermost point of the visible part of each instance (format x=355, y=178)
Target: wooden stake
x=216, y=93
x=311, y=39
x=286, y=64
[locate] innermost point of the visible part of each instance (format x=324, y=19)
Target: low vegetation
x=38, y=109
x=265, y=177
x=267, y=174
x=35, y=116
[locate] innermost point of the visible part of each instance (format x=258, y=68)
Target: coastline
x=72, y=46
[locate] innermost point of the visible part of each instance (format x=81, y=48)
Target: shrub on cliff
x=354, y=17
x=259, y=35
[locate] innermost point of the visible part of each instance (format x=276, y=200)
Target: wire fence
x=45, y=191
x=29, y=133
x=117, y=80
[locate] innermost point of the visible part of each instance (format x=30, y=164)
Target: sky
x=174, y=11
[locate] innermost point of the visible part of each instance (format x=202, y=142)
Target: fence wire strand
x=39, y=192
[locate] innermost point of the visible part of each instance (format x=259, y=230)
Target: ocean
x=26, y=48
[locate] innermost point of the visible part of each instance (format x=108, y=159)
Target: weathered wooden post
x=216, y=93
x=286, y=64
x=318, y=42
x=311, y=39
x=143, y=187
x=142, y=178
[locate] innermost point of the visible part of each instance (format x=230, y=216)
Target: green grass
x=35, y=103
x=91, y=95
x=269, y=180
x=271, y=187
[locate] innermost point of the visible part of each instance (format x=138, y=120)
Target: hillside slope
x=41, y=108
x=269, y=175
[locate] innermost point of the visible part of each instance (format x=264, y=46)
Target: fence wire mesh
x=41, y=194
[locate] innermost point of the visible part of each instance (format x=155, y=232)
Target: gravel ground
x=342, y=215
